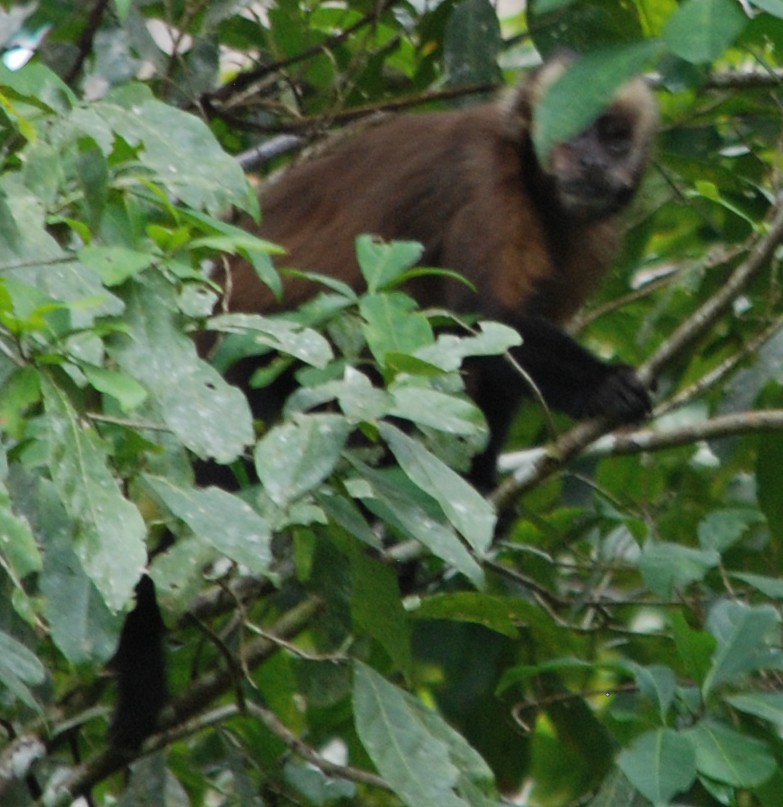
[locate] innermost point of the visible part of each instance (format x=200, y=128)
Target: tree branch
x=553, y=457
x=621, y=444
x=85, y=43
x=185, y=708
x=301, y=749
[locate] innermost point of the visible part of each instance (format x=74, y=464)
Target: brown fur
x=534, y=240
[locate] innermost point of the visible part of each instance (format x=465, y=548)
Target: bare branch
x=301, y=749
x=553, y=457
x=636, y=442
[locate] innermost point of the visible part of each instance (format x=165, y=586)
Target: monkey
x=534, y=239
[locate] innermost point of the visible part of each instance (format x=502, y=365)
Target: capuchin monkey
x=534, y=239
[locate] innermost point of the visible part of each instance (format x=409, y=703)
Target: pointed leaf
x=282, y=335
x=207, y=414
x=417, y=753
x=295, y=457
x=110, y=532
x=668, y=567
x=438, y=410
x=743, y=633
x=729, y=756
x=659, y=764
x=18, y=669
x=464, y=506
x=700, y=30
x=392, y=504
x=382, y=263
x=766, y=705
x=221, y=519
x=377, y=610
x=394, y=325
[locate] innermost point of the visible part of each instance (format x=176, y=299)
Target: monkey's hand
x=621, y=396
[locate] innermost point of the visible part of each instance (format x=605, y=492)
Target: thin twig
x=573, y=442
x=244, y=81
x=724, y=369
x=308, y=754
x=86, y=40
x=185, y=708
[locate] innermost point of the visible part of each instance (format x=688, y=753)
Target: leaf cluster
x=347, y=625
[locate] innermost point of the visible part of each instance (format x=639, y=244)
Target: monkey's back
x=452, y=180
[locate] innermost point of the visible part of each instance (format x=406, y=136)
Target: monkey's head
x=596, y=173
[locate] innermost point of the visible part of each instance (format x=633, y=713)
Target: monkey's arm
x=574, y=380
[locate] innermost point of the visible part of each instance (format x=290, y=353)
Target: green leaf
x=358, y=398
x=18, y=668
x=449, y=351
x=577, y=98
x=727, y=756
x=769, y=586
x=110, y=533
x=699, y=31
x=39, y=85
x=722, y=529
x=222, y=519
x=766, y=705
x=393, y=324
x=774, y=7
x=282, y=335
x=524, y=672
x=381, y=263
x=123, y=7
x=384, y=496
x=126, y=390
x=658, y=683
x=616, y=791
x=743, y=633
x=659, y=764
x=438, y=410
x=19, y=552
x=177, y=147
x=472, y=43
x=415, y=751
x=81, y=624
x=500, y=614
x=178, y=572
x=376, y=608
x=20, y=390
x=208, y=415
x=694, y=647
x=669, y=567
x=343, y=512
x=114, y=265
x=295, y=457
x=44, y=267
x=317, y=787
x=78, y=619
x=463, y=505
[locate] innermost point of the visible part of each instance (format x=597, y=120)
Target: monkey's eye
x=614, y=133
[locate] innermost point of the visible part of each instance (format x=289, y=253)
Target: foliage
x=348, y=629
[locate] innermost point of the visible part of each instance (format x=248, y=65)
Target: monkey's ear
x=518, y=104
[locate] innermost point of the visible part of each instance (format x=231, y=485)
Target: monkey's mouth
x=586, y=200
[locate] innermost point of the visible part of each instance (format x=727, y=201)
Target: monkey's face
x=596, y=173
